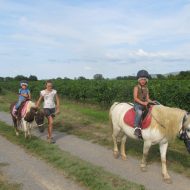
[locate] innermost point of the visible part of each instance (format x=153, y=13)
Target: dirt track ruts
x=103, y=157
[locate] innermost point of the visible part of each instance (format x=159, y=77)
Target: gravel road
x=32, y=173
x=103, y=157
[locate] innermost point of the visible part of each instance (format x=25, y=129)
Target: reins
x=157, y=121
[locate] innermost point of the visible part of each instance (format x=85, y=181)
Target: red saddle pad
x=23, y=111
x=129, y=118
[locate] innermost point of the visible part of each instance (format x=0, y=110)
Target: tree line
x=183, y=75
x=19, y=78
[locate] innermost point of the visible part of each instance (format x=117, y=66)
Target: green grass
x=95, y=113
x=90, y=122
x=6, y=99
x=90, y=176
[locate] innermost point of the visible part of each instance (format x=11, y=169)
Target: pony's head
x=39, y=118
x=185, y=131
x=37, y=115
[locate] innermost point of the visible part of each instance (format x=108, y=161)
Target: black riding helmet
x=23, y=82
x=143, y=74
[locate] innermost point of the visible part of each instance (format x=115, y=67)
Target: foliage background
x=174, y=93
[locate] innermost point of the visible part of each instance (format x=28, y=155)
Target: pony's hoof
x=144, y=169
x=168, y=180
x=116, y=154
x=17, y=134
x=124, y=157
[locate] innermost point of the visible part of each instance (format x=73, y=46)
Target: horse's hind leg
x=123, y=141
x=15, y=126
x=163, y=150
x=29, y=131
x=146, y=147
x=116, y=131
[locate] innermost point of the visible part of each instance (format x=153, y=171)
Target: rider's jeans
x=138, y=114
x=20, y=100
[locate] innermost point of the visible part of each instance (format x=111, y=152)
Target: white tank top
x=49, y=98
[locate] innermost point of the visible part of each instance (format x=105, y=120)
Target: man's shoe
x=138, y=132
x=51, y=140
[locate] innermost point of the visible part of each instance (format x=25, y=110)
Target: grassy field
x=5, y=184
x=91, y=122
x=86, y=174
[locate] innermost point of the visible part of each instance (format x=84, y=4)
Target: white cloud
x=95, y=36
x=142, y=53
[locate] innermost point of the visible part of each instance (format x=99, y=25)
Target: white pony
x=166, y=123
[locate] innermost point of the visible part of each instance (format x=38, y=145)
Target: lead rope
x=157, y=121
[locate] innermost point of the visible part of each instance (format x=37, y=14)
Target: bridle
x=39, y=125
x=183, y=134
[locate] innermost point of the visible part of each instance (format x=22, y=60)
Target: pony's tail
x=110, y=114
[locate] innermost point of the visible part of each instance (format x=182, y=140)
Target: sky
x=73, y=38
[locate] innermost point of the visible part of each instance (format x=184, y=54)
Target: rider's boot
x=138, y=132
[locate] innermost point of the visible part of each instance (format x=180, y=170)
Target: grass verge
x=90, y=122
x=6, y=99
x=92, y=177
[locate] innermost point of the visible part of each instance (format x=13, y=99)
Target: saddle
x=21, y=111
x=129, y=117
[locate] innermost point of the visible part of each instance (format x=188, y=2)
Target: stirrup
x=139, y=133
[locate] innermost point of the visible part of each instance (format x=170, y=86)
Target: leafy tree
x=2, y=79
x=21, y=77
x=66, y=78
x=58, y=78
x=98, y=77
x=184, y=75
x=81, y=78
x=160, y=76
x=9, y=79
x=32, y=78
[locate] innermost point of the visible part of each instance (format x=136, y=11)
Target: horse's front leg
x=16, y=127
x=29, y=130
x=146, y=147
x=16, y=131
x=25, y=128
x=163, y=151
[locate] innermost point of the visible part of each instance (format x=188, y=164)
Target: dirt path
x=101, y=156
x=29, y=171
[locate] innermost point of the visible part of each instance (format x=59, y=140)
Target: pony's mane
x=167, y=120
x=29, y=106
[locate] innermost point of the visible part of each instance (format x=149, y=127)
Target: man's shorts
x=49, y=112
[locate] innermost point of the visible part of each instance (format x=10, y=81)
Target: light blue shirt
x=23, y=91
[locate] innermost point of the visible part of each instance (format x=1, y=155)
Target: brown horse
x=29, y=118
